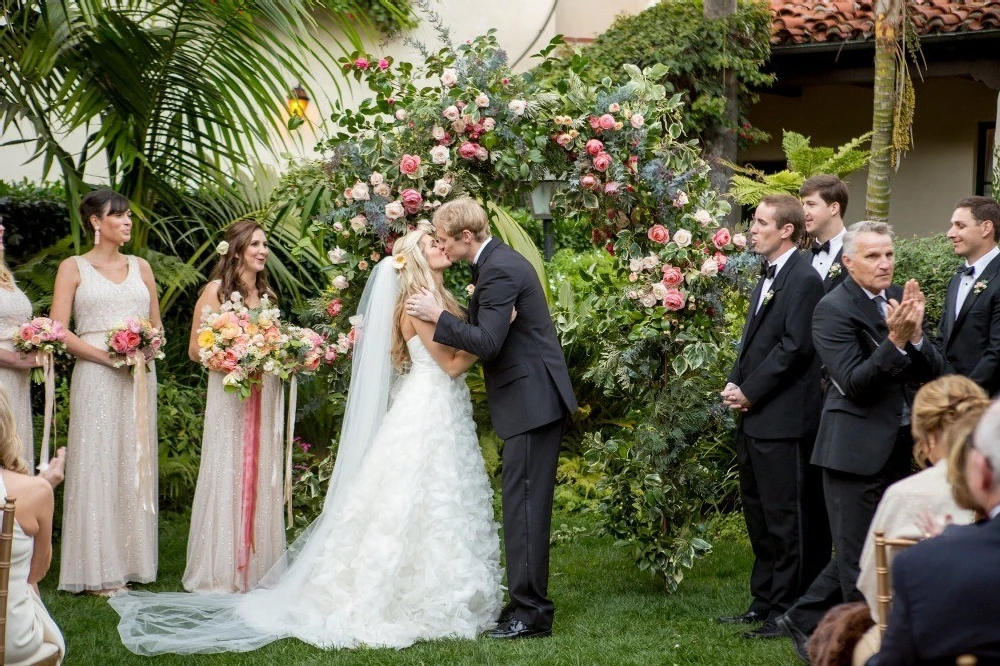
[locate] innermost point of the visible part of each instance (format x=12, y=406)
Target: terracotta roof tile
x=796, y=22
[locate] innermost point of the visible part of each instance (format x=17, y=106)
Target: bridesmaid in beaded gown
x=15, y=309
x=108, y=532
x=216, y=516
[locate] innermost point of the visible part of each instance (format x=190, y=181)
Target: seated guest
x=945, y=600
x=31, y=634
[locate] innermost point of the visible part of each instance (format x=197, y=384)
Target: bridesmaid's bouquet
x=244, y=343
x=135, y=340
x=40, y=335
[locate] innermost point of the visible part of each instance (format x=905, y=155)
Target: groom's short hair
x=463, y=213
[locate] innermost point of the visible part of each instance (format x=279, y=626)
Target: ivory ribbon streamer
x=293, y=390
x=49, y=372
x=144, y=465
x=248, y=508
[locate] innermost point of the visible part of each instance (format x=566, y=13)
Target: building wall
x=931, y=178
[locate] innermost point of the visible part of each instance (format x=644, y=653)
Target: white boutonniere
x=470, y=288
x=767, y=297
x=834, y=271
x=979, y=286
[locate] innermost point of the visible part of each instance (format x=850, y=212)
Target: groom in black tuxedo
x=969, y=332
x=775, y=383
x=529, y=393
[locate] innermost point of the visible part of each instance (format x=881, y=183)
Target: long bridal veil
x=182, y=623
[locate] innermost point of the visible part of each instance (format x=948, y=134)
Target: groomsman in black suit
x=945, y=601
x=824, y=200
x=869, y=335
x=775, y=383
x=969, y=332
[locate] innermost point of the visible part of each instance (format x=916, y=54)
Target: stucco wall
x=931, y=178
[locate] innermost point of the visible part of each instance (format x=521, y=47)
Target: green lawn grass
x=607, y=612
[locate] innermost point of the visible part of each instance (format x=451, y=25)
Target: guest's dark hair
x=100, y=203
x=830, y=189
x=787, y=210
x=239, y=236
x=982, y=209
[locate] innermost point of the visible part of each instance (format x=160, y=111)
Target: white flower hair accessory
x=222, y=248
x=399, y=262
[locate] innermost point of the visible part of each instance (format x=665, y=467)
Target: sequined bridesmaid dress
x=214, y=539
x=108, y=537
x=15, y=309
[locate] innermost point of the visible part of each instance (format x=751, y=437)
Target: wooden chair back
x=882, y=579
x=6, y=543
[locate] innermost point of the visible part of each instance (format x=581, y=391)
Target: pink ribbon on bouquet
x=251, y=460
x=293, y=387
x=49, y=373
x=144, y=464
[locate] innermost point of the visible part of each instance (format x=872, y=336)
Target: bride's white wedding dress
x=406, y=548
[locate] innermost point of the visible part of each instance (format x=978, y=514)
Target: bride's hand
x=513, y=315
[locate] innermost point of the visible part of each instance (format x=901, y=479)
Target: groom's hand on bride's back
x=424, y=306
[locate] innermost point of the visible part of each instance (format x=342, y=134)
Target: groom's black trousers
x=528, y=471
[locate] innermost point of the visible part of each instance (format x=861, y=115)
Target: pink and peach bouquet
x=307, y=350
x=41, y=335
x=133, y=340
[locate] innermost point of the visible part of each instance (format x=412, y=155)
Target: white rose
x=710, y=268
x=340, y=282
x=439, y=154
x=650, y=262
x=482, y=100
x=631, y=293
x=360, y=191
x=703, y=216
x=682, y=237
x=517, y=106
x=739, y=241
x=458, y=126
x=355, y=321
x=648, y=300
x=449, y=78
x=659, y=290
x=482, y=154
x=635, y=265
x=400, y=114
x=681, y=199
x=343, y=344
x=438, y=132
x=394, y=210
x=338, y=227
x=452, y=113
x=442, y=188
x=359, y=222
x=383, y=190
x=633, y=277
x=489, y=124
x=376, y=179
x=637, y=120
x=336, y=255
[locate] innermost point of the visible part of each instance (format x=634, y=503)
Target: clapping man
x=775, y=383
x=969, y=332
x=869, y=335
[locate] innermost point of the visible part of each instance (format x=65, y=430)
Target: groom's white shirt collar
x=479, y=252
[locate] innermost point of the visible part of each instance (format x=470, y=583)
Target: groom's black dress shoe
x=800, y=640
x=767, y=630
x=514, y=628
x=506, y=614
x=750, y=617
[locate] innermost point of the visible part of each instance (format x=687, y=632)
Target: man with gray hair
x=869, y=334
x=940, y=608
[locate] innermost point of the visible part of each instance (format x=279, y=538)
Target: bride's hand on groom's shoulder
x=513, y=314
x=423, y=306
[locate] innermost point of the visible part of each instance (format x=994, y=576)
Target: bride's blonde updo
x=939, y=404
x=415, y=274
x=10, y=442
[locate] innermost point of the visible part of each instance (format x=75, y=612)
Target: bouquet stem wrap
x=49, y=376
x=248, y=507
x=144, y=468
x=293, y=391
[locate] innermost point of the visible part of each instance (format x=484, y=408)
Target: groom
x=529, y=393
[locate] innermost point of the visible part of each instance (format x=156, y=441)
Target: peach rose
x=721, y=238
x=409, y=164
x=606, y=122
x=594, y=146
x=602, y=161
x=672, y=276
x=658, y=234
x=673, y=300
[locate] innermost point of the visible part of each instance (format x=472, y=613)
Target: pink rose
x=383, y=64
x=468, y=150
x=119, y=342
x=594, y=147
x=672, y=275
x=721, y=238
x=489, y=124
x=361, y=63
x=26, y=332
x=739, y=241
x=589, y=182
x=721, y=259
x=602, y=161
x=658, y=234
x=595, y=123
x=411, y=200
x=133, y=339
x=564, y=140
x=612, y=188
x=606, y=122
x=637, y=120
x=482, y=154
x=673, y=300
x=409, y=164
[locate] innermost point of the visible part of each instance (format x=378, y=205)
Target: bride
x=406, y=548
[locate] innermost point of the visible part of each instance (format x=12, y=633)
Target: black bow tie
x=475, y=273
x=767, y=272
x=818, y=247
x=966, y=270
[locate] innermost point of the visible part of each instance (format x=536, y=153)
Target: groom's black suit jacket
x=777, y=369
x=970, y=343
x=527, y=383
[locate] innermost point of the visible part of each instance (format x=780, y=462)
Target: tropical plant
x=750, y=185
